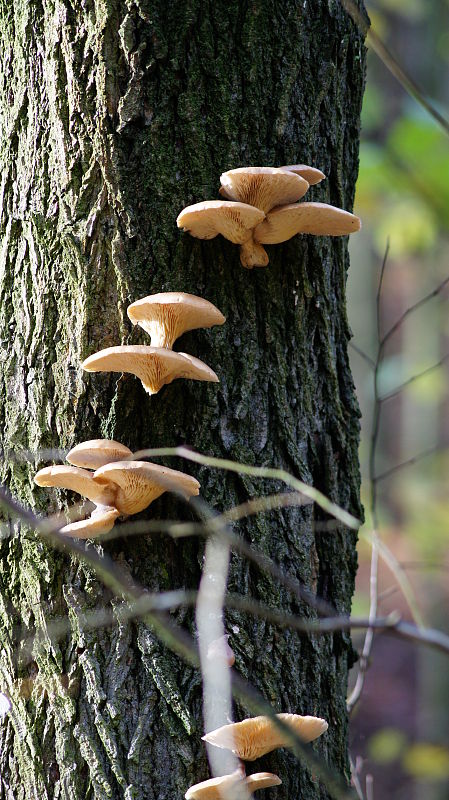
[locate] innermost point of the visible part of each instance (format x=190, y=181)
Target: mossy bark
x=115, y=114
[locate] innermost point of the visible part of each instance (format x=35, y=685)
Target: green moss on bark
x=115, y=115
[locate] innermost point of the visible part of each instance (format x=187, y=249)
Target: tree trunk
x=115, y=114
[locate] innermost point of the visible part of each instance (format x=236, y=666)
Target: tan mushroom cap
x=310, y=174
x=206, y=220
x=213, y=788
x=101, y=521
x=167, y=315
x=257, y=736
x=78, y=480
x=138, y=483
x=97, y=452
x=262, y=780
x=317, y=218
x=153, y=365
x=263, y=187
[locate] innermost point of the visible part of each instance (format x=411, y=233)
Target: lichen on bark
x=115, y=114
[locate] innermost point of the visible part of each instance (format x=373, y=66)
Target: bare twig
x=412, y=379
x=257, y=472
x=363, y=355
x=369, y=636
x=178, y=640
x=399, y=573
x=409, y=461
x=411, y=310
x=393, y=65
x=355, y=780
x=217, y=693
x=168, y=601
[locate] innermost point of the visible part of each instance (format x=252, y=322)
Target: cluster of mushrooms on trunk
x=260, y=206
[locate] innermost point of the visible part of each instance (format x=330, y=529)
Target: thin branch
x=216, y=678
x=178, y=530
x=180, y=642
x=413, y=379
x=369, y=636
x=393, y=65
x=434, y=293
x=363, y=355
x=171, y=600
x=257, y=472
x=408, y=462
x=355, y=779
x=401, y=577
x=111, y=575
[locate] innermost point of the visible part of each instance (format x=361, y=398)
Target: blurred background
x=400, y=726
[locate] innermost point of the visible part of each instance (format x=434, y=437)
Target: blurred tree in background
x=400, y=727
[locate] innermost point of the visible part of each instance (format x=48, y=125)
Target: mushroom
x=167, y=315
x=97, y=452
x=78, y=480
x=272, y=192
x=138, y=483
x=100, y=521
x=235, y=221
x=317, y=218
x=101, y=493
x=263, y=187
x=153, y=365
x=206, y=220
x=120, y=487
x=257, y=736
x=215, y=788
x=310, y=174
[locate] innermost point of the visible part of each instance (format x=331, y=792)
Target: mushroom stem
x=160, y=335
x=252, y=254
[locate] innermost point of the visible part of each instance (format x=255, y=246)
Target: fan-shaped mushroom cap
x=153, y=365
x=262, y=780
x=234, y=221
x=310, y=174
x=139, y=483
x=78, y=480
x=318, y=218
x=254, y=737
x=96, y=452
x=100, y=521
x=213, y=788
x=167, y=315
x=263, y=187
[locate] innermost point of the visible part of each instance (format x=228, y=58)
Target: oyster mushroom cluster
x=251, y=739
x=261, y=207
x=164, y=316
x=101, y=473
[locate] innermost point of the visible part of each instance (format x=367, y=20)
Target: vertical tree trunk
x=115, y=114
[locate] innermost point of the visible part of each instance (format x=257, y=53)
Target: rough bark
x=115, y=114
